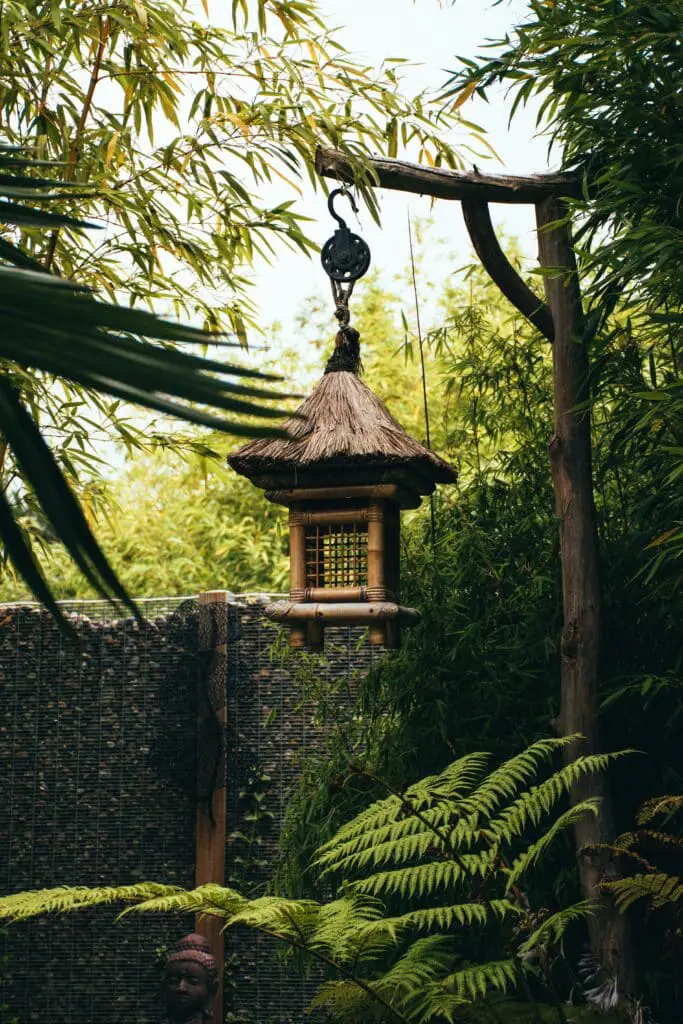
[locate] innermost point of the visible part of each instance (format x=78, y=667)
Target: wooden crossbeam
x=402, y=176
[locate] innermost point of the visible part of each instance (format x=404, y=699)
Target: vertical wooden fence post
x=211, y=821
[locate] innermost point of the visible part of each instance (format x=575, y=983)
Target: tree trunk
x=571, y=465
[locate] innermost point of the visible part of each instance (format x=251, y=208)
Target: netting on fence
x=92, y=735
x=98, y=765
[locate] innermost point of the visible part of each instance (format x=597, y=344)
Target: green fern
x=417, y=873
x=659, y=888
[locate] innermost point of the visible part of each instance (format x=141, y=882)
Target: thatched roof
x=344, y=430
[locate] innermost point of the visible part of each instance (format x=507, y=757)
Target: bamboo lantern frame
x=344, y=562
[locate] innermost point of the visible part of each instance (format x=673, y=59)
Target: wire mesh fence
x=98, y=765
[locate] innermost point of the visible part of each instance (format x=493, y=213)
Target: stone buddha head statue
x=189, y=982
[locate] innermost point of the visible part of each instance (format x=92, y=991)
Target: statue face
x=187, y=991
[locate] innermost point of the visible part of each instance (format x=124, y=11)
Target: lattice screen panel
x=337, y=555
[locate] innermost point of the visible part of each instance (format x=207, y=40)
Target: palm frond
x=54, y=326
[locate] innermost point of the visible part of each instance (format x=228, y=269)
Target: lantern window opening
x=336, y=555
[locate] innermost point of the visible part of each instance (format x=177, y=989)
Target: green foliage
x=483, y=661
x=154, y=118
x=43, y=316
x=608, y=80
x=177, y=526
x=469, y=838
x=177, y=126
x=651, y=887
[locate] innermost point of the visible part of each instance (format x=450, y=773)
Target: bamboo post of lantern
x=297, y=571
x=392, y=569
x=376, y=586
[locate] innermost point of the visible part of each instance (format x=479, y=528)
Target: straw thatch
x=341, y=432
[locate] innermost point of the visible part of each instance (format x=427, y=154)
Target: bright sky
x=429, y=34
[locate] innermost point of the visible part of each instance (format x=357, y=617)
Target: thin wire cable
x=422, y=366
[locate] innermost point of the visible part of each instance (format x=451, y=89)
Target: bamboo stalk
x=376, y=561
x=392, y=571
x=353, y=613
x=297, y=574
x=331, y=517
x=332, y=595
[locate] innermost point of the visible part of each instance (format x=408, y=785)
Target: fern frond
x=392, y=817
x=63, y=899
x=347, y=1003
x=381, y=812
x=615, y=849
x=398, y=989
x=530, y=856
x=186, y=901
x=674, y=844
x=626, y=842
x=551, y=931
x=454, y=781
x=424, y=961
x=505, y=781
x=659, y=890
x=658, y=805
x=394, y=850
x=294, y=921
x=433, y=1002
x=447, y=917
x=350, y=928
x=431, y=821
x=475, y=981
x=420, y=879
x=531, y=806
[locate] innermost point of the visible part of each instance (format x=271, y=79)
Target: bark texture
x=441, y=183
x=571, y=465
x=495, y=262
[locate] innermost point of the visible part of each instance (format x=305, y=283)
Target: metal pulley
x=345, y=257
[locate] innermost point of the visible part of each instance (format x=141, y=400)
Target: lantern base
x=384, y=619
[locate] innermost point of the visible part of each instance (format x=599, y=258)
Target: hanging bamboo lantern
x=345, y=470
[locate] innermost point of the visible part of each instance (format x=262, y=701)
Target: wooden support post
x=211, y=822
x=376, y=560
x=297, y=571
x=571, y=466
x=392, y=570
x=315, y=636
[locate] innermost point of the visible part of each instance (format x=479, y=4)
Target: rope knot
x=346, y=355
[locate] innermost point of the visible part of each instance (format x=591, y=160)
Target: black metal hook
x=330, y=204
